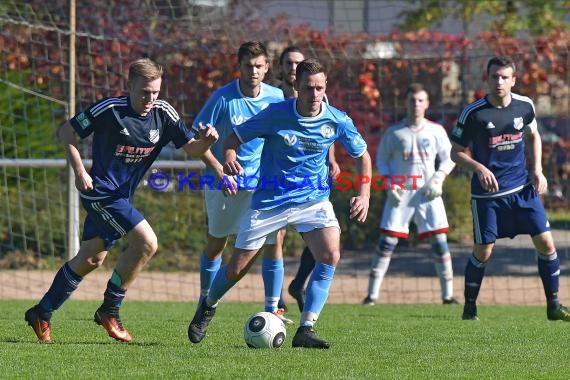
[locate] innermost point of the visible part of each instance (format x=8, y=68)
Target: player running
x=298, y=134
x=128, y=134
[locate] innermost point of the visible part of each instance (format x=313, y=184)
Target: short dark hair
x=414, y=88
x=287, y=50
x=310, y=66
x=251, y=49
x=502, y=62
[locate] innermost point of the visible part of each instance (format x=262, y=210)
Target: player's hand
x=233, y=168
x=207, y=133
x=540, y=183
x=229, y=185
x=359, y=208
x=84, y=182
x=434, y=186
x=487, y=180
x=395, y=196
x=334, y=169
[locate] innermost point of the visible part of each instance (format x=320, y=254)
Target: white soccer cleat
x=280, y=313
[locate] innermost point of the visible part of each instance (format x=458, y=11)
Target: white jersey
x=412, y=152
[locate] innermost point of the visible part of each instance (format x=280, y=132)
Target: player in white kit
x=407, y=158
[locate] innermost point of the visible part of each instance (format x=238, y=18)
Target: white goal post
x=73, y=207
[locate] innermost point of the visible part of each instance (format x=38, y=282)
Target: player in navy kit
x=128, y=134
x=489, y=140
x=293, y=189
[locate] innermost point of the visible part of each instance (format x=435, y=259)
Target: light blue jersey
x=294, y=160
x=226, y=108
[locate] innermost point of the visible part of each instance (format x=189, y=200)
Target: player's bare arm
x=461, y=156
x=359, y=205
x=231, y=165
x=83, y=181
x=539, y=180
x=210, y=160
x=207, y=135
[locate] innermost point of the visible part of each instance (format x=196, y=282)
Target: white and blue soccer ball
x=264, y=330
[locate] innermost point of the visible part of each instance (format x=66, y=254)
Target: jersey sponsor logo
x=125, y=132
x=290, y=139
x=83, y=120
x=154, y=135
x=507, y=141
x=358, y=140
x=418, y=156
x=518, y=123
x=327, y=131
x=490, y=125
x=133, y=154
x=457, y=132
x=238, y=119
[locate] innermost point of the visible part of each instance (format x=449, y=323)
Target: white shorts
x=259, y=225
x=225, y=213
x=429, y=216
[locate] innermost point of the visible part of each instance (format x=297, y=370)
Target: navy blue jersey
x=496, y=139
x=126, y=144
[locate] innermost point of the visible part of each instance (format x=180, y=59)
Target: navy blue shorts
x=109, y=219
x=515, y=214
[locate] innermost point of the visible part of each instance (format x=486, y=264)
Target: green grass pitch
x=383, y=341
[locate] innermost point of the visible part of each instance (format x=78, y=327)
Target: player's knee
x=330, y=257
x=386, y=245
x=95, y=261
x=151, y=244
x=439, y=244
x=544, y=243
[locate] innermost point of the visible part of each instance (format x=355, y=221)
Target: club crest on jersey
x=327, y=131
x=290, y=139
x=425, y=143
x=518, y=123
x=154, y=135
x=83, y=120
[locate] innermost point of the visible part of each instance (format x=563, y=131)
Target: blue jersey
x=496, y=139
x=294, y=161
x=228, y=107
x=126, y=144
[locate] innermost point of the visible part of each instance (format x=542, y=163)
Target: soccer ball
x=264, y=330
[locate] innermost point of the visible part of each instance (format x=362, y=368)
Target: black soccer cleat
x=307, y=338
x=450, y=301
x=199, y=325
x=470, y=312
x=369, y=301
x=558, y=313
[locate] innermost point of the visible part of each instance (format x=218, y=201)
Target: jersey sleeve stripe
x=166, y=107
x=99, y=108
x=467, y=110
